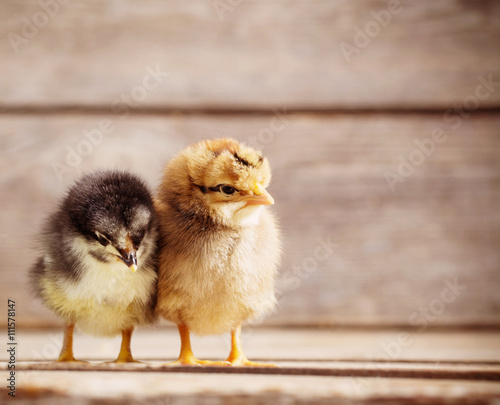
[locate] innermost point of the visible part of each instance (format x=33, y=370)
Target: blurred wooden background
x=145, y=79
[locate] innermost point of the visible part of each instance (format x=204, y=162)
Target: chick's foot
x=198, y=363
x=66, y=355
x=186, y=357
x=241, y=360
x=125, y=355
x=236, y=356
x=190, y=360
x=122, y=360
x=69, y=359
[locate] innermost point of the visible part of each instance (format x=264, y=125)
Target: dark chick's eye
x=101, y=239
x=227, y=190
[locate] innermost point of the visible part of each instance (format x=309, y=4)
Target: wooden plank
x=340, y=345
x=335, y=369
x=60, y=387
x=447, y=368
x=261, y=54
x=395, y=251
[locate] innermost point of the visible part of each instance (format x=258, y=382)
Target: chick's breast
x=213, y=279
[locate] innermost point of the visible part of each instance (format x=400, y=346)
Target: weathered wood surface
x=62, y=387
x=316, y=367
x=260, y=54
x=284, y=345
x=396, y=252
x=356, y=370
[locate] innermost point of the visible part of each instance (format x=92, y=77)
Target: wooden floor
x=385, y=143
x=315, y=367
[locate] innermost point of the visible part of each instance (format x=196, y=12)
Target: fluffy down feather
x=218, y=252
x=84, y=281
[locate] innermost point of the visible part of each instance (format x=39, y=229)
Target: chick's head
x=114, y=213
x=222, y=178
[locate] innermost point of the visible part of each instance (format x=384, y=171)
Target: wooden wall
x=412, y=243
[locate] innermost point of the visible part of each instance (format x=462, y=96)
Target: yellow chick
x=219, y=245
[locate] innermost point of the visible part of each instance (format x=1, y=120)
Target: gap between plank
x=353, y=372
x=224, y=111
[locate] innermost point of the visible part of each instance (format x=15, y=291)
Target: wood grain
x=261, y=54
x=194, y=388
x=395, y=252
x=453, y=372
x=438, y=368
x=317, y=346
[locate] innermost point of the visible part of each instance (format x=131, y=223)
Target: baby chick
x=98, y=267
x=219, y=246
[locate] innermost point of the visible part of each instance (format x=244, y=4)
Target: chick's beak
x=129, y=257
x=260, y=197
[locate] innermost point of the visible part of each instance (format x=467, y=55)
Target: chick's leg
x=67, y=348
x=186, y=357
x=236, y=357
x=125, y=355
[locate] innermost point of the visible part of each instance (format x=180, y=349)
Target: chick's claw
x=193, y=361
x=214, y=363
x=242, y=361
x=123, y=361
x=71, y=359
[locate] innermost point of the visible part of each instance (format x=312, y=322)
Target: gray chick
x=97, y=267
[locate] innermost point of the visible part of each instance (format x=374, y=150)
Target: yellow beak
x=129, y=255
x=263, y=198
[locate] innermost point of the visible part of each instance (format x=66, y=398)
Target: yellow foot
x=193, y=361
x=243, y=361
x=69, y=359
x=123, y=361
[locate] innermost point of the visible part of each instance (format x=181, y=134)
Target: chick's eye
x=227, y=190
x=101, y=239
